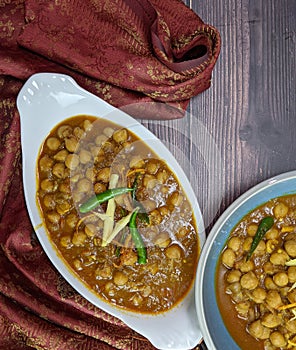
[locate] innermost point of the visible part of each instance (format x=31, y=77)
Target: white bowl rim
x=147, y=325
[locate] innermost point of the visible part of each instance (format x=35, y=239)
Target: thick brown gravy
x=77, y=160
x=257, y=296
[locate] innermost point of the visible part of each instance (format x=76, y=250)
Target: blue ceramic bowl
x=215, y=334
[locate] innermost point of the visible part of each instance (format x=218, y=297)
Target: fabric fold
x=127, y=44
x=147, y=57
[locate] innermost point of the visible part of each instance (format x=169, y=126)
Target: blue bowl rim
x=200, y=293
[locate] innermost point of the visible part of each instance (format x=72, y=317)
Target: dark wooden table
x=243, y=129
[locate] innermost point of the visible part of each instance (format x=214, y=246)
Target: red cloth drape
x=126, y=52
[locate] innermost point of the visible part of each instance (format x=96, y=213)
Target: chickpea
x=292, y=296
x=120, y=278
x=84, y=186
x=58, y=170
x=292, y=274
x=291, y=326
x=243, y=308
x=164, y=211
x=53, y=143
x=72, y=161
x=77, y=196
x=90, y=174
x=71, y=220
x=64, y=187
x=290, y=247
x=271, y=320
x=162, y=176
x=234, y=243
x=100, y=139
x=233, y=276
x=269, y=283
x=129, y=258
x=269, y=268
x=147, y=179
x=152, y=183
x=273, y=233
x=103, y=175
x=228, y=257
x=259, y=295
x=104, y=271
x=277, y=339
x=147, y=291
x=87, y=125
x=257, y=330
x=120, y=136
x=155, y=217
x=274, y=299
x=109, y=289
x=98, y=153
x=176, y=199
x=64, y=131
x=99, y=187
x=78, y=132
x=65, y=241
x=234, y=288
x=61, y=155
x=127, y=145
x=48, y=201
x=77, y=264
x=71, y=144
x=164, y=189
x=246, y=266
x=162, y=240
x=174, y=251
x=63, y=208
x=182, y=232
x=108, y=131
x=85, y=156
x=247, y=244
x=53, y=217
x=48, y=185
x=281, y=279
x=249, y=281
x=150, y=205
x=79, y=238
x=271, y=245
x=137, y=162
x=280, y=210
x=152, y=166
x=90, y=230
x=261, y=248
x=152, y=268
x=137, y=299
x=279, y=258
x=252, y=229
x=46, y=163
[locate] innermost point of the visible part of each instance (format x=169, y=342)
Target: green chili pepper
x=264, y=226
x=138, y=240
x=99, y=198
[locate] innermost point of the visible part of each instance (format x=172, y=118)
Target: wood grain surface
x=243, y=129
x=250, y=110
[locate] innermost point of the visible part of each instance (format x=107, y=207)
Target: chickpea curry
x=117, y=214
x=256, y=277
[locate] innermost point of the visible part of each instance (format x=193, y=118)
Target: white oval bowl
x=45, y=100
x=214, y=331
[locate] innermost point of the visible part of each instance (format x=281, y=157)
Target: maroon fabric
x=127, y=52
